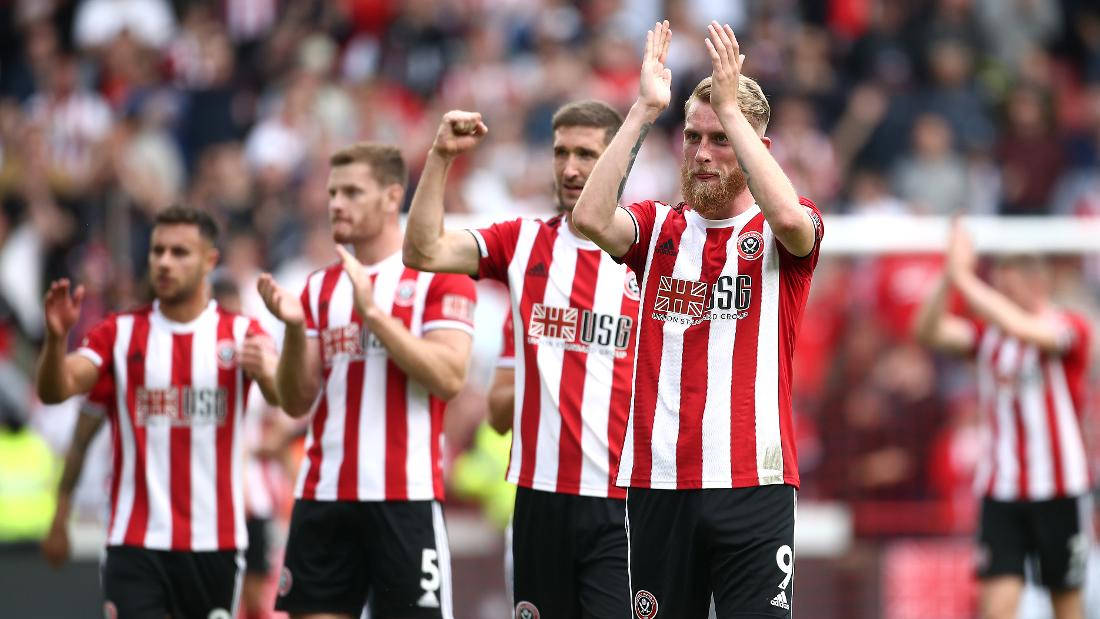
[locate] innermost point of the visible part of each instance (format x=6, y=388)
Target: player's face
x=710, y=177
x=179, y=261
x=576, y=150
x=358, y=206
x=1025, y=281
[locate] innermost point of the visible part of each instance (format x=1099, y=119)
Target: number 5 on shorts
x=428, y=565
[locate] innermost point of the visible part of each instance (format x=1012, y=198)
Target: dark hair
x=188, y=215
x=387, y=166
x=590, y=113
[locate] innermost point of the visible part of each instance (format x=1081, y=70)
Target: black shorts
x=151, y=584
x=1054, y=533
x=569, y=556
x=339, y=553
x=737, y=544
x=257, y=558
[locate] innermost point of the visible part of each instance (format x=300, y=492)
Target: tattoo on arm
x=741, y=163
x=633, y=156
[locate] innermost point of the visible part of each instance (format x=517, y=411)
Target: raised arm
x=595, y=214
x=990, y=304
x=428, y=245
x=298, y=373
x=936, y=328
x=60, y=375
x=438, y=360
x=55, y=546
x=769, y=185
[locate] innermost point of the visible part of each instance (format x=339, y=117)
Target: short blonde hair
x=750, y=98
x=387, y=166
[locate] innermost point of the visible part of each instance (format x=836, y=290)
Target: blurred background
x=890, y=114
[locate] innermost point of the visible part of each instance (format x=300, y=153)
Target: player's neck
x=743, y=202
x=380, y=247
x=185, y=310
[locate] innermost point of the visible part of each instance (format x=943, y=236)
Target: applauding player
x=709, y=456
x=374, y=350
x=172, y=377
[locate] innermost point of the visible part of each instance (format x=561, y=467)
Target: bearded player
x=709, y=456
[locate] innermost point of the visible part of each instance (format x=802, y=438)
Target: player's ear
x=767, y=141
x=211, y=258
x=395, y=198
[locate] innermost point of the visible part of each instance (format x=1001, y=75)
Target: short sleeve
x=98, y=342
x=806, y=264
x=1075, y=335
x=450, y=303
x=307, y=309
x=644, y=214
x=508, y=347
x=100, y=397
x=496, y=246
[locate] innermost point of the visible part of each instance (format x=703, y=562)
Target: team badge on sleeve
x=458, y=307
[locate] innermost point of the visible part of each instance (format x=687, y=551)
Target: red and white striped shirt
x=574, y=356
x=721, y=308
x=1033, y=403
x=176, y=418
x=376, y=435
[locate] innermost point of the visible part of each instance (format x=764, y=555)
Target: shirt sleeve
x=307, y=309
x=97, y=344
x=644, y=214
x=99, y=398
x=496, y=246
x=508, y=348
x=805, y=265
x=1074, y=337
x=450, y=303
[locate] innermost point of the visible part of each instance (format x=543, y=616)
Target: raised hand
x=285, y=306
x=655, y=83
x=726, y=60
x=360, y=282
x=61, y=309
x=458, y=132
x=961, y=258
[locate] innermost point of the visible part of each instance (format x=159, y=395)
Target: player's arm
x=428, y=245
x=55, y=546
x=502, y=399
x=60, y=375
x=298, y=372
x=437, y=360
x=596, y=214
x=770, y=187
x=936, y=328
x=991, y=305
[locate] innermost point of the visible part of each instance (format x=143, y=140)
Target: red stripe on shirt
x=649, y=363
x=574, y=370
x=347, y=481
x=223, y=438
x=693, y=377
x=135, y=366
x=1053, y=434
x=317, y=430
x=534, y=289
x=397, y=408
x=743, y=456
x=179, y=446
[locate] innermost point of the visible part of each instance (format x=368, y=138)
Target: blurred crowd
x=113, y=109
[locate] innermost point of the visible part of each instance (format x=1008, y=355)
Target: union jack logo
x=681, y=296
x=551, y=321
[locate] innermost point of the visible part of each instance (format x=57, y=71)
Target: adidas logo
x=780, y=600
x=539, y=270
x=666, y=248
x=429, y=600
